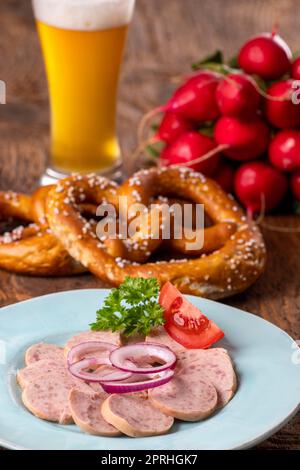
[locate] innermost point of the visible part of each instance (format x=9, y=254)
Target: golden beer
x=83, y=60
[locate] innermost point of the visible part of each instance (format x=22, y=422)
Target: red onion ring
x=78, y=352
x=126, y=376
x=123, y=387
x=78, y=370
x=125, y=358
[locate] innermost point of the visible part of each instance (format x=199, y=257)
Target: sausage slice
x=160, y=336
x=40, y=351
x=47, y=394
x=86, y=412
x=47, y=397
x=185, y=397
x=214, y=365
x=135, y=416
x=45, y=366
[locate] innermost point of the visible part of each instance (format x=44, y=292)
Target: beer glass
x=83, y=43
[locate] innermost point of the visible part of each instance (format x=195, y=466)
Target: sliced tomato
x=185, y=323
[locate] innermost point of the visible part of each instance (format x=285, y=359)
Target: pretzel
x=38, y=203
x=32, y=250
x=145, y=242
x=230, y=269
x=214, y=238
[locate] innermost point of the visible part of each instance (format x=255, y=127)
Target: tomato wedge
x=185, y=323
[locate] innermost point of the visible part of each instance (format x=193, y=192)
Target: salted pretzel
x=149, y=237
x=230, y=269
x=32, y=249
x=38, y=202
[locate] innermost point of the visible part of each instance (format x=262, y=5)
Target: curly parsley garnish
x=131, y=308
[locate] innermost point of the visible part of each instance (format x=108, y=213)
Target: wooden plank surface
x=165, y=38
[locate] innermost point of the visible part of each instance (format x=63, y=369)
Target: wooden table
x=165, y=38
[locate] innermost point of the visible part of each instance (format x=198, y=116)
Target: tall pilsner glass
x=83, y=43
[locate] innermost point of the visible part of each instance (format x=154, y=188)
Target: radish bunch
x=238, y=125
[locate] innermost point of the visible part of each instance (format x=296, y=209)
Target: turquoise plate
x=266, y=361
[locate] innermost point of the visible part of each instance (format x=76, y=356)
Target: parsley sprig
x=131, y=308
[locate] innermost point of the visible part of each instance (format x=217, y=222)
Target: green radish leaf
x=152, y=151
x=221, y=69
x=263, y=85
x=233, y=62
x=296, y=54
x=215, y=58
x=155, y=149
x=296, y=206
x=207, y=129
x=155, y=127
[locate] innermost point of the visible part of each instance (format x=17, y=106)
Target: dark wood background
x=165, y=38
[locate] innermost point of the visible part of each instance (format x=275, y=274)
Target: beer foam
x=84, y=15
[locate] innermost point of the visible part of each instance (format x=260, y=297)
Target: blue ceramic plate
x=269, y=380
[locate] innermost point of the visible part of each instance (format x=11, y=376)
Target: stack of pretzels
x=58, y=235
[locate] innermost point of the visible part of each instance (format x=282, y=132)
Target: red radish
x=284, y=150
x=295, y=182
x=224, y=175
x=259, y=186
x=295, y=72
x=246, y=139
x=189, y=147
x=171, y=127
x=266, y=55
x=237, y=96
x=282, y=112
x=195, y=100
